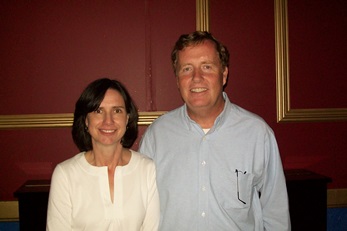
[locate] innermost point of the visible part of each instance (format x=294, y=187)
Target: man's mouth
x=197, y=90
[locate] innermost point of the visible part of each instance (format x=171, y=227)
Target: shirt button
x=203, y=214
x=203, y=188
x=203, y=163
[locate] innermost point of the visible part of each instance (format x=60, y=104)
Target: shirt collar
x=219, y=120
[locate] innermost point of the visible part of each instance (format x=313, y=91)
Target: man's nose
x=197, y=75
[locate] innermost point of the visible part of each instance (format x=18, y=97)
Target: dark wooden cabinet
x=307, y=192
x=32, y=202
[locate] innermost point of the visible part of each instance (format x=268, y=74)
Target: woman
x=106, y=186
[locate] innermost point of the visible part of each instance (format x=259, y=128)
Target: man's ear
x=225, y=75
x=177, y=82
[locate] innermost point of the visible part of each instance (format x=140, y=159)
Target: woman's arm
x=59, y=203
x=152, y=217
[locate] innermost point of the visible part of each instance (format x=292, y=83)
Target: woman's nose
x=108, y=118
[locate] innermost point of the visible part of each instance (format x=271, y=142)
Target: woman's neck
x=111, y=157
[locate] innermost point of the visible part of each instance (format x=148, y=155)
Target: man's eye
x=186, y=69
x=207, y=67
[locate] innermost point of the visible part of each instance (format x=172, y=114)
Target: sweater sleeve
x=152, y=217
x=59, y=203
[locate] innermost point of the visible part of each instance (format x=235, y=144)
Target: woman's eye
x=118, y=110
x=98, y=111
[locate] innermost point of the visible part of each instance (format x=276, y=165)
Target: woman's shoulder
x=141, y=157
x=72, y=160
x=141, y=160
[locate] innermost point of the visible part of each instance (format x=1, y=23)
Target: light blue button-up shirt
x=230, y=178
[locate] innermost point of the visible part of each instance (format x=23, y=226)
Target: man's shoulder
x=247, y=117
x=242, y=112
x=169, y=117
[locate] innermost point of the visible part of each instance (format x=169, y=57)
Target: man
x=218, y=165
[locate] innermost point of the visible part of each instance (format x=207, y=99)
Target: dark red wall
x=317, y=75
x=50, y=51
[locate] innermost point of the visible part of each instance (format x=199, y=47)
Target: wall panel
x=50, y=50
x=247, y=28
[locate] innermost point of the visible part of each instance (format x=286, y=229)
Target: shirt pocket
x=236, y=192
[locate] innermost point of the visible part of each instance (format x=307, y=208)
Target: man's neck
x=205, y=117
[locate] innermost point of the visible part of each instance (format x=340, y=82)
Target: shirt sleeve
x=152, y=217
x=59, y=203
x=274, y=198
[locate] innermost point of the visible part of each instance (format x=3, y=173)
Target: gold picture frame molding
x=59, y=120
x=66, y=119
x=202, y=15
x=284, y=112
x=336, y=198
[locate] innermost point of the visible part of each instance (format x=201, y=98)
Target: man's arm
x=274, y=197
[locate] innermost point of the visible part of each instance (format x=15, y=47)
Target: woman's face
x=107, y=124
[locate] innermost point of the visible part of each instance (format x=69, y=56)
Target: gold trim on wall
x=9, y=211
x=202, y=15
x=284, y=112
x=336, y=198
x=58, y=120
x=36, y=120
x=66, y=119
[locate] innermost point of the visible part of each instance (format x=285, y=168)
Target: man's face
x=200, y=77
